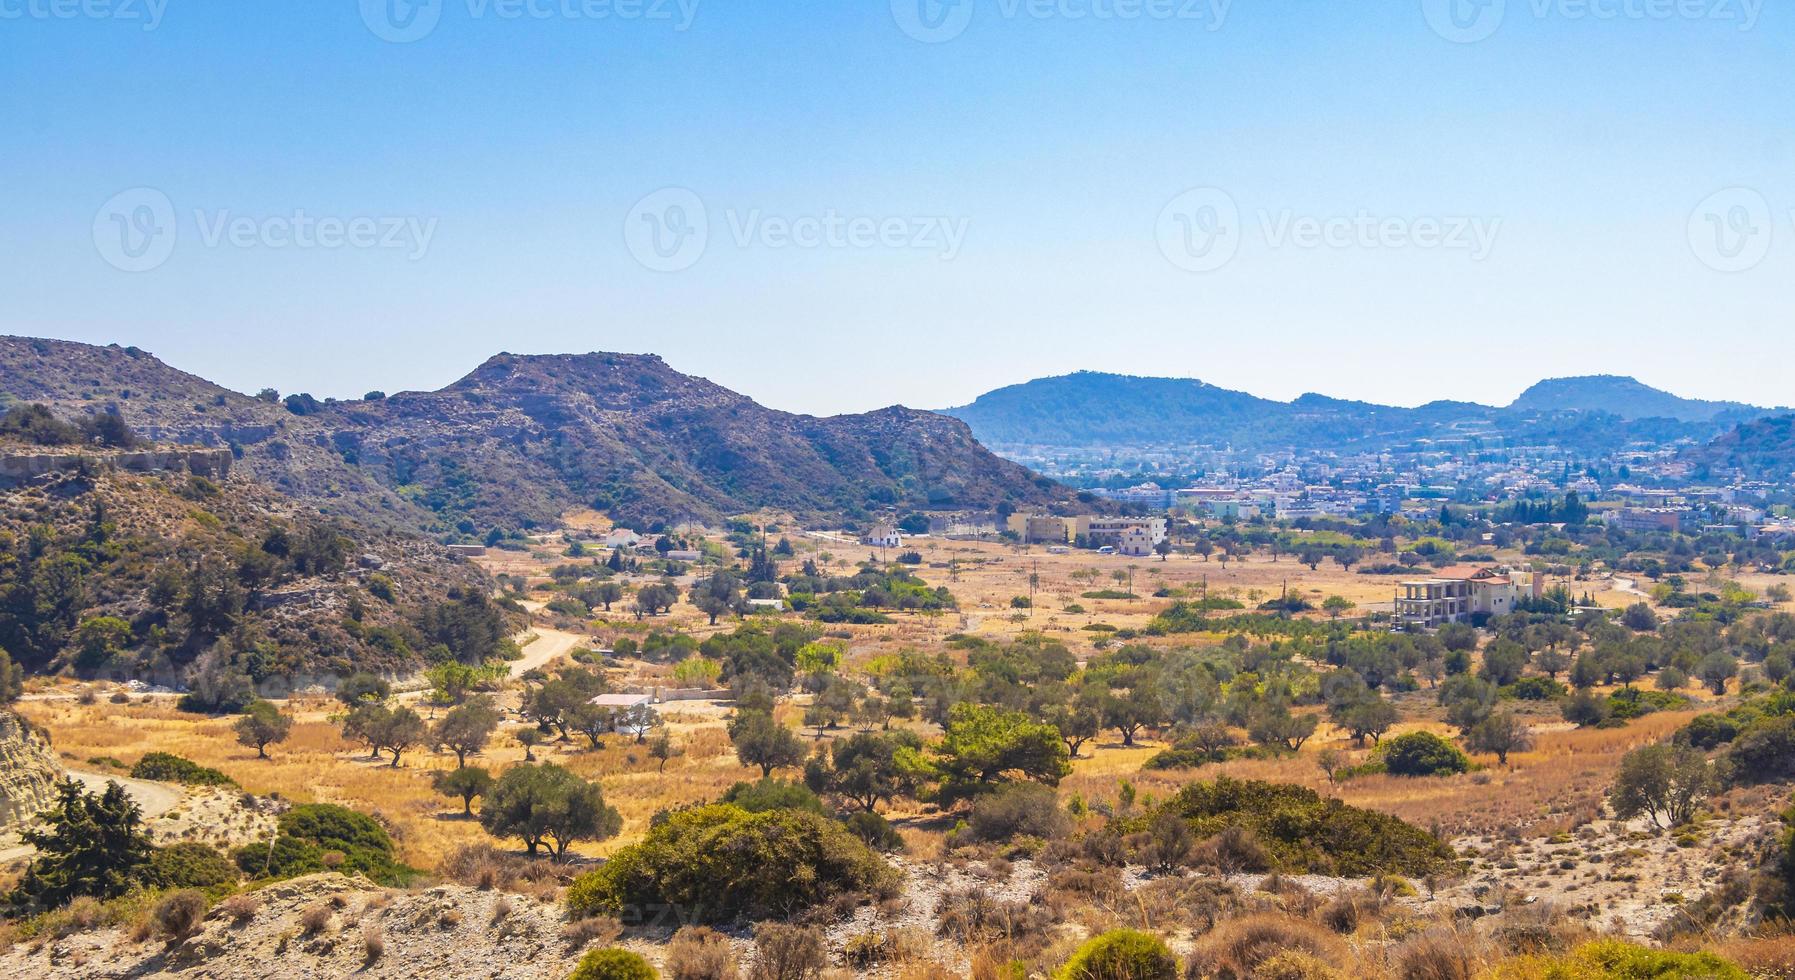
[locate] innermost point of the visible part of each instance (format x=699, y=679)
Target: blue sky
x=1275, y=196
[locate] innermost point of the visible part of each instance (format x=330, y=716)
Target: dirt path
x=154, y=799
x=550, y=645
x=1630, y=587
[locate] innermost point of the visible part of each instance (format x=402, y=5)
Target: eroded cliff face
x=28, y=771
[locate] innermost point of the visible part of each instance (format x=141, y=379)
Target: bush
x=1238, y=948
x=722, y=861
x=179, y=915
x=1020, y=810
x=1764, y=751
x=783, y=952
x=1302, y=831
x=162, y=767
x=698, y=953
x=1423, y=754
x=190, y=865
x=307, y=833
x=772, y=794
x=612, y=964
x=1121, y=954
x=875, y=830
x=1534, y=689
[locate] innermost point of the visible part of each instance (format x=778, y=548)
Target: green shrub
x=1764, y=751
x=1423, y=754
x=772, y=794
x=306, y=834
x=190, y=865
x=1709, y=731
x=1019, y=810
x=1121, y=954
x=875, y=830
x=163, y=767
x=612, y=964
x=1302, y=831
x=720, y=862
x=1535, y=689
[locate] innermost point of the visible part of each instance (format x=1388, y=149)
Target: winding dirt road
x=550, y=645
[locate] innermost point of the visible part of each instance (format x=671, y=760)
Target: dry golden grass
x=317, y=765
x=1546, y=790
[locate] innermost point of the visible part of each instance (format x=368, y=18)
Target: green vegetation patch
x=719, y=863
x=1304, y=832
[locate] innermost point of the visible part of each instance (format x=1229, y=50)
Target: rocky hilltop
x=522, y=439
x=289, y=452
x=28, y=771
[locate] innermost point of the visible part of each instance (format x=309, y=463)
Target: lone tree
x=466, y=729
x=761, y=741
x=262, y=725
x=1500, y=734
x=546, y=805
x=1715, y=670
x=1667, y=783
x=463, y=784
x=985, y=746
x=89, y=844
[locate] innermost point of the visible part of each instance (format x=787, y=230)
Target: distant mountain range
x=523, y=439
x=1096, y=411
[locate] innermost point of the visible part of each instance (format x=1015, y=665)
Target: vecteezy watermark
x=1201, y=230
x=670, y=231
x=1732, y=230
x=940, y=21
x=1470, y=21
x=405, y=21
x=137, y=231
x=149, y=13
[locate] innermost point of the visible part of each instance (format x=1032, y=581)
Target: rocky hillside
x=107, y=572
x=328, y=926
x=523, y=439
x=292, y=453
x=528, y=437
x=28, y=771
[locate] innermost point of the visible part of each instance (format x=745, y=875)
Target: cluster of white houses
x=1459, y=592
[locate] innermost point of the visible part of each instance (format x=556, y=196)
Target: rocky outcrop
x=24, y=467
x=28, y=771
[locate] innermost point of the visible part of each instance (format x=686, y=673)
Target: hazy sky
x=836, y=205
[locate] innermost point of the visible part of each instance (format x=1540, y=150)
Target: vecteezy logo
x=668, y=231
x=401, y=21
x=1199, y=230
x=1464, y=21
x=932, y=21
x=1731, y=231
x=135, y=231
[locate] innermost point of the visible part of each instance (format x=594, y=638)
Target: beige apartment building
x=1129, y=535
x=1459, y=592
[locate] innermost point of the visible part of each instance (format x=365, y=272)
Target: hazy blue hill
x=1091, y=410
x=1623, y=397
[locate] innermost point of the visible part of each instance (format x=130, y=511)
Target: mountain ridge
x=521, y=439
x=1089, y=409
